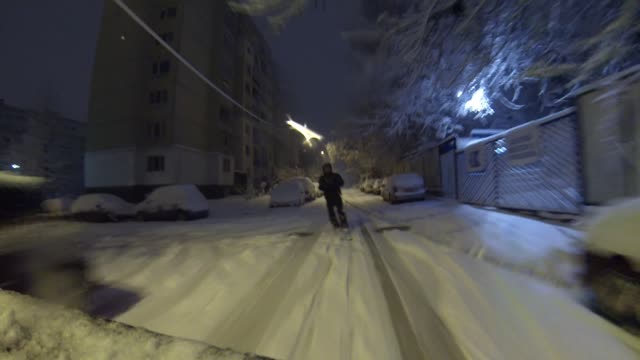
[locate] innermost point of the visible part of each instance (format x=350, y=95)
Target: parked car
x=319, y=192
x=363, y=183
x=376, y=187
x=310, y=192
x=175, y=202
x=57, y=206
x=383, y=185
x=101, y=208
x=368, y=186
x=287, y=193
x=612, y=262
x=404, y=187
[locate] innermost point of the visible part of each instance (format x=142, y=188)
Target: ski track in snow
x=282, y=283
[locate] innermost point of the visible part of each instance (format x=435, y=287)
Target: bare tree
x=440, y=66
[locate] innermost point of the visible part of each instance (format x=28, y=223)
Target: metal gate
x=530, y=167
x=447, y=157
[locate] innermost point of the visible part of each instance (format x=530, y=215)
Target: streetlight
x=322, y=152
x=15, y=166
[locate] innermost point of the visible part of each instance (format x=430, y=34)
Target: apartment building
x=43, y=144
x=153, y=122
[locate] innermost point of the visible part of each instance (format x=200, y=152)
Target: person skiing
x=330, y=183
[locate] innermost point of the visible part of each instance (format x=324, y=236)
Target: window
x=224, y=114
x=167, y=37
x=172, y=12
x=155, y=163
x=247, y=89
x=226, y=139
x=226, y=165
x=156, y=130
x=228, y=39
x=247, y=150
x=162, y=14
x=159, y=97
x=246, y=129
x=155, y=68
x=164, y=67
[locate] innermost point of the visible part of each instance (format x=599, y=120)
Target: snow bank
x=496, y=314
x=31, y=329
x=57, y=206
x=184, y=197
x=101, y=202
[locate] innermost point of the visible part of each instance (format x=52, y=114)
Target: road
x=426, y=280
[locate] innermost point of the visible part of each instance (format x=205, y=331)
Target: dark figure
x=330, y=183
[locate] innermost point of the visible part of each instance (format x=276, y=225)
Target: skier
x=330, y=183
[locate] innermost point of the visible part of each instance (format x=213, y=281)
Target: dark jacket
x=330, y=184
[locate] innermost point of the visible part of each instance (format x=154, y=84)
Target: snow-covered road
x=416, y=281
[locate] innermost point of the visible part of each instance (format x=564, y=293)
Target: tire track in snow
x=151, y=308
x=441, y=343
x=245, y=328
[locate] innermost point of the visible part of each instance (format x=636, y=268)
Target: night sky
x=47, y=50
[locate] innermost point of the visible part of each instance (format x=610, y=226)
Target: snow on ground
x=281, y=283
x=524, y=244
x=31, y=329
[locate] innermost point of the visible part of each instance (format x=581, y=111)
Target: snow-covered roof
x=532, y=123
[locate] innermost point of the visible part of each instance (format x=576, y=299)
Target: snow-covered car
x=612, y=262
x=319, y=192
x=174, y=202
x=363, y=183
x=376, y=188
x=57, y=206
x=310, y=192
x=404, y=187
x=287, y=193
x=101, y=208
x=368, y=185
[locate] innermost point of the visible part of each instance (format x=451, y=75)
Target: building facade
x=43, y=144
x=153, y=122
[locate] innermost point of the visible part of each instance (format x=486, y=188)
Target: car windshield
x=320, y=179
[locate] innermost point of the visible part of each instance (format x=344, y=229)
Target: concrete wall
x=110, y=168
x=127, y=167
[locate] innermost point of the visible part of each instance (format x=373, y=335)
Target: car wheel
x=182, y=216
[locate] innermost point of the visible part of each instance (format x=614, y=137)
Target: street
x=429, y=279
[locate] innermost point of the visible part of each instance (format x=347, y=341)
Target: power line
x=184, y=61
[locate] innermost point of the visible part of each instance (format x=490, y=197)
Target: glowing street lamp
x=302, y=129
x=322, y=152
x=15, y=166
